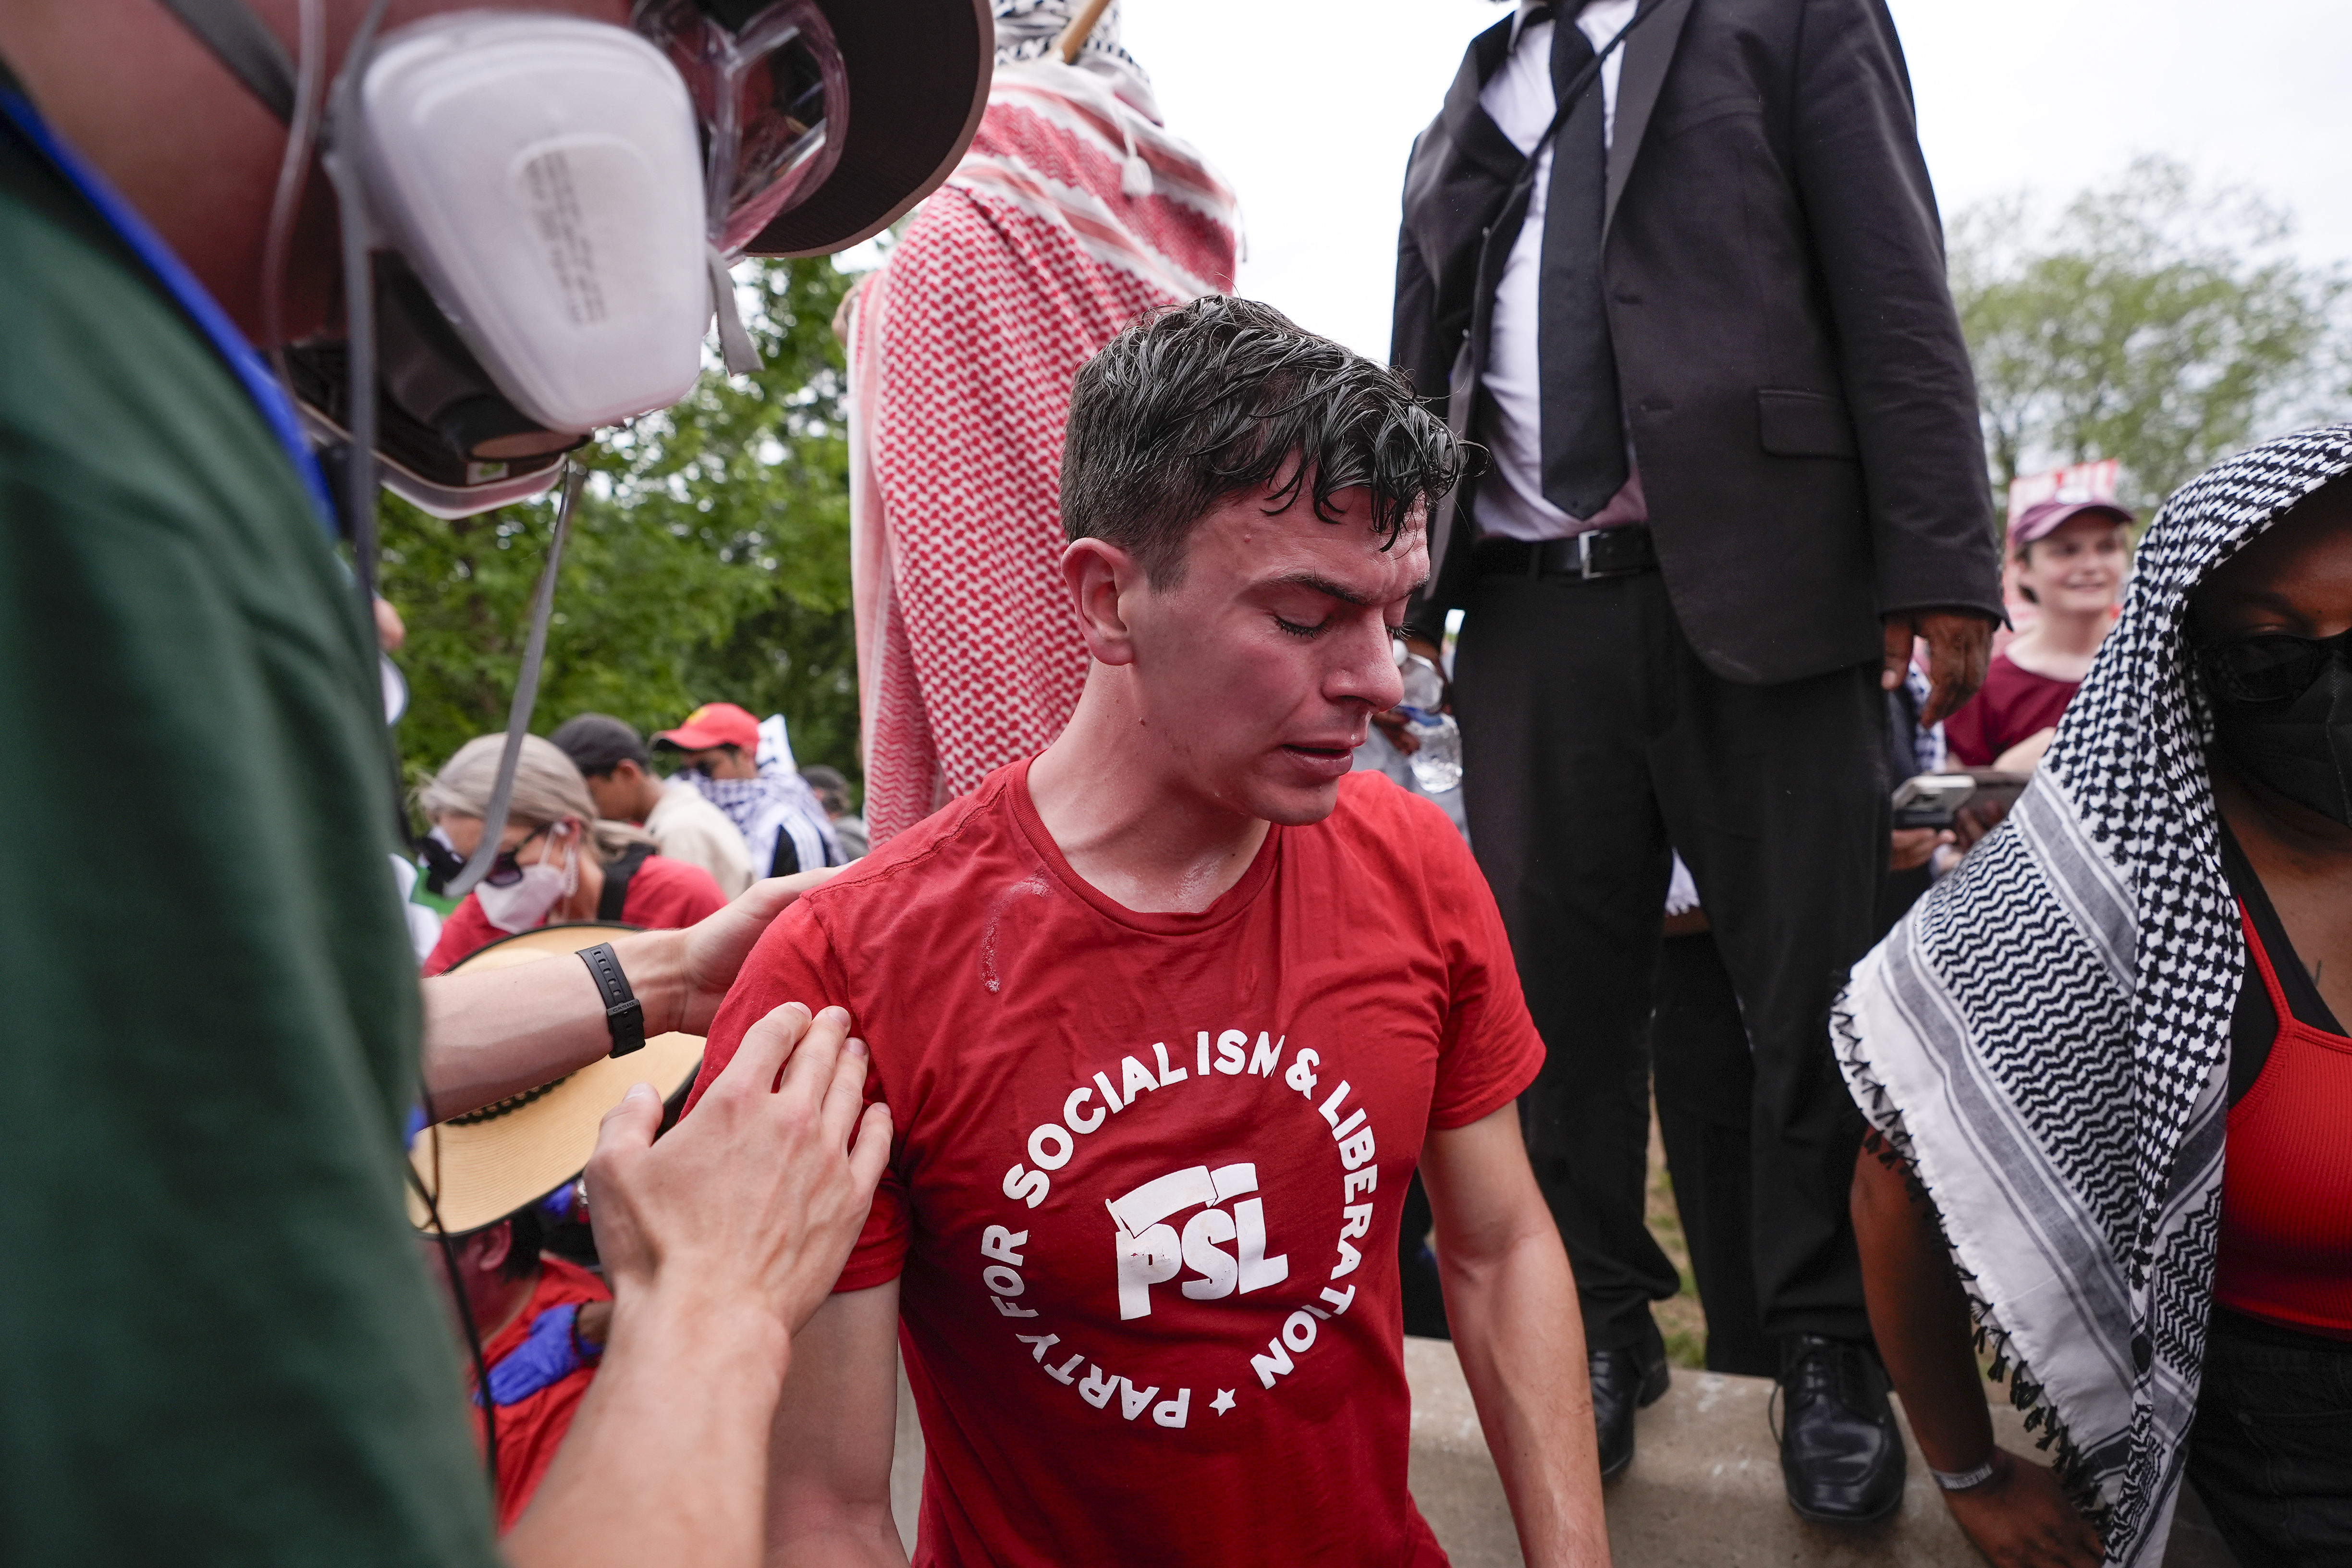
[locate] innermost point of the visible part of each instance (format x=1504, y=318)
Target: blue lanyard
x=260, y=383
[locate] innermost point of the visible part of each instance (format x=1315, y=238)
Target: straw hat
x=484, y=1165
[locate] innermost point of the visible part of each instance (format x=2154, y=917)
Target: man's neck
x=198, y=159
x=499, y=1301
x=1122, y=818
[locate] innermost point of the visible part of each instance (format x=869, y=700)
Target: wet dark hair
x=1192, y=404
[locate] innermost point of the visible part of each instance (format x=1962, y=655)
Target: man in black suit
x=1736, y=468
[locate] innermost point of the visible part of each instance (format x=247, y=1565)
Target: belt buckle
x=1587, y=568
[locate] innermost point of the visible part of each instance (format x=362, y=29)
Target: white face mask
x=523, y=904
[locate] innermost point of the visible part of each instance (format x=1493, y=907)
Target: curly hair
x=1198, y=402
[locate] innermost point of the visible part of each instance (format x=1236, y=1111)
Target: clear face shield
x=549, y=271
x=547, y=205
x=770, y=92
x=537, y=212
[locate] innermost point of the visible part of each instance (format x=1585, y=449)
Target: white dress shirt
x=1519, y=98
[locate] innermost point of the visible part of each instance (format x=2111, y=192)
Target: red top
x=2013, y=704
x=1148, y=1169
x=2286, y=1177
x=663, y=896
x=532, y=1427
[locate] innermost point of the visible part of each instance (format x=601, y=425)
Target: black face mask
x=2282, y=712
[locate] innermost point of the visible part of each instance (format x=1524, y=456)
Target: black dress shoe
x=1623, y=1380
x=1841, y=1457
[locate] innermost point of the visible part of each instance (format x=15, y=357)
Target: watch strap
x=624, y=1015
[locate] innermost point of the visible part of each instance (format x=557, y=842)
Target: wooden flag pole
x=1082, y=26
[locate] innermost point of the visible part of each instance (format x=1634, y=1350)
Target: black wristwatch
x=624, y=1015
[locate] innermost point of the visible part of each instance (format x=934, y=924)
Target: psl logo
x=1150, y=1251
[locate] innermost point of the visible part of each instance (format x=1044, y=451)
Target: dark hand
x=1912, y=847
x=2021, y=1519
x=1394, y=726
x=755, y=1199
x=1959, y=646
x=1976, y=819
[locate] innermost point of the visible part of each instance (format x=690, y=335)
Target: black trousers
x=1592, y=738
x=2272, y=1450
x=1705, y=1084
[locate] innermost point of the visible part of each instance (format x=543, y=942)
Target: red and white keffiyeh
x=961, y=347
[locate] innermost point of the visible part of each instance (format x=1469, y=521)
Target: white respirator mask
x=524, y=903
x=538, y=214
x=523, y=254
x=542, y=176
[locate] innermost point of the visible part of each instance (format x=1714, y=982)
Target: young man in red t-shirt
x=1165, y=1017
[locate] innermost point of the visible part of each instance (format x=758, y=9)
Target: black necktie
x=1583, y=431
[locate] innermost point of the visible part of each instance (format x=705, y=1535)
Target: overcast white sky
x=1309, y=106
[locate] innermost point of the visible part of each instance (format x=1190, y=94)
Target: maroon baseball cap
x=714, y=724
x=2045, y=518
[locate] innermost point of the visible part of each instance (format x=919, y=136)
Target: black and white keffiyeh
x=2044, y=1038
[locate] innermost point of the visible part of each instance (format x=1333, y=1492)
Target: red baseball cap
x=714, y=724
x=2045, y=518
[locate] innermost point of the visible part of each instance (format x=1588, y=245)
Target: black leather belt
x=1620, y=551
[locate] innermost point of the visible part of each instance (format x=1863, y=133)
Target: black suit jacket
x=1792, y=367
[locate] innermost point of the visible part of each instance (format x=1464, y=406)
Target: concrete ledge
x=1704, y=1490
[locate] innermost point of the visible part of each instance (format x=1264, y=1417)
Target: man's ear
x=1100, y=576
x=490, y=1247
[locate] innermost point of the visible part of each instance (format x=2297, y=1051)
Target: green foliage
x=2155, y=323
x=709, y=561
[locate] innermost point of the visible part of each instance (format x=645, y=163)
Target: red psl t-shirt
x=1144, y=1193
x=532, y=1427
x=664, y=895
x=2013, y=704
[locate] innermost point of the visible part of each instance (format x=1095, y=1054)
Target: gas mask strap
x=239, y=40
x=293, y=174
x=542, y=609
x=735, y=345
x=449, y=1244
x=359, y=297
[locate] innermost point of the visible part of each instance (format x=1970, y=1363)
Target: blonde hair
x=547, y=789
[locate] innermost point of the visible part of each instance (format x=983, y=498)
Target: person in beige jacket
x=612, y=756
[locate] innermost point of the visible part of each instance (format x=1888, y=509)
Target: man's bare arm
x=835, y=1430
x=719, y=1242
x=1511, y=1302
x=498, y=1032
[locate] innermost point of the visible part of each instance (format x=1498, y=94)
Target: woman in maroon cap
x=2071, y=557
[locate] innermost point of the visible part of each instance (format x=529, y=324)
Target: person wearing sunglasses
x=2109, y=1073
x=558, y=860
